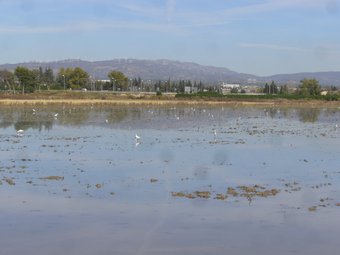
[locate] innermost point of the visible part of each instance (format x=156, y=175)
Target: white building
x=190, y=90
x=227, y=87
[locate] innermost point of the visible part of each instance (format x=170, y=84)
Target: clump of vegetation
x=257, y=191
x=52, y=178
x=99, y=186
x=202, y=95
x=196, y=194
x=312, y=208
x=9, y=181
x=309, y=87
x=203, y=194
x=220, y=196
x=232, y=192
x=182, y=194
x=248, y=192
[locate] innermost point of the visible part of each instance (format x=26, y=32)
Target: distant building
x=251, y=89
x=190, y=90
x=104, y=81
x=226, y=88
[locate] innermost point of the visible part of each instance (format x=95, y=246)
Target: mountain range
x=175, y=70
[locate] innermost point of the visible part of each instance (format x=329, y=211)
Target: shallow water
x=80, y=182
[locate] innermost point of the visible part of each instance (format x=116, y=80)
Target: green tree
x=309, y=87
x=266, y=89
x=200, y=86
x=270, y=89
x=234, y=90
x=7, y=80
x=79, y=78
x=28, y=79
x=181, y=86
x=47, y=78
x=119, y=80
x=273, y=88
x=168, y=85
x=284, y=89
x=333, y=88
x=74, y=78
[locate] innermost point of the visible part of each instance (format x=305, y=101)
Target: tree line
x=27, y=80
x=307, y=87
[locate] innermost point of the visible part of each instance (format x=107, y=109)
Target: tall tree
x=309, y=87
x=7, y=80
x=79, y=78
x=119, y=80
x=284, y=89
x=48, y=77
x=273, y=88
x=270, y=89
x=28, y=78
x=266, y=89
x=74, y=78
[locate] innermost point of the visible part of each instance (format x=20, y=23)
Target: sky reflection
x=80, y=185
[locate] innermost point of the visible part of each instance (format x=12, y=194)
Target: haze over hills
x=175, y=70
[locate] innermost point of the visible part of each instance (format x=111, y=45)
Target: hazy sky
x=253, y=36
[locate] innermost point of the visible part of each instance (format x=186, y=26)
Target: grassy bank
x=249, y=97
x=103, y=98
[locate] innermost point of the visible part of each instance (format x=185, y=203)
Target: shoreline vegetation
x=126, y=98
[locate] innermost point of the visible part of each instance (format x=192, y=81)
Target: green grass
x=215, y=95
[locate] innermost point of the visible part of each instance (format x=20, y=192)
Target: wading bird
x=20, y=132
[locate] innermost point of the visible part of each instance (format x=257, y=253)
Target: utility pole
x=64, y=82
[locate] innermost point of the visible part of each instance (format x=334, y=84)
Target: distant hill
x=146, y=69
x=324, y=78
x=175, y=70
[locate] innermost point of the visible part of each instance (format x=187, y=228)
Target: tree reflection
x=40, y=125
x=43, y=117
x=73, y=116
x=308, y=115
x=117, y=115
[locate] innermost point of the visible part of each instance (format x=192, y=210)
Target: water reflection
x=309, y=115
x=200, y=180
x=46, y=117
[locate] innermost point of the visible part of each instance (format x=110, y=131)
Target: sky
x=261, y=37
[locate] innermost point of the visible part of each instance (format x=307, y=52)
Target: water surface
x=77, y=181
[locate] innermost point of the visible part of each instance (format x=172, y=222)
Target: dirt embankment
x=106, y=98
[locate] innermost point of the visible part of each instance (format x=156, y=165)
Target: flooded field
x=169, y=180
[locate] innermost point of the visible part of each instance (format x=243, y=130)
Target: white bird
x=215, y=134
x=20, y=132
x=106, y=121
x=56, y=115
x=137, y=137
